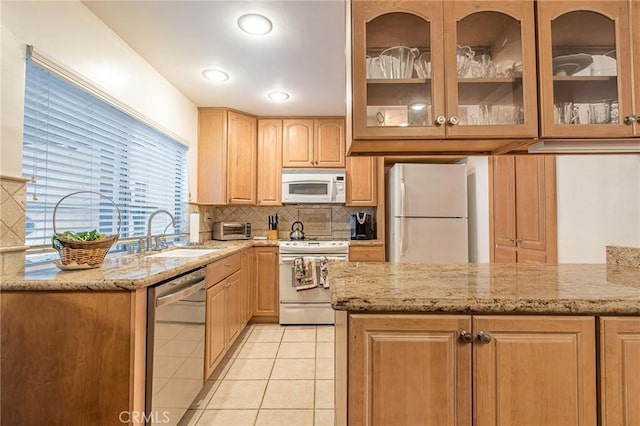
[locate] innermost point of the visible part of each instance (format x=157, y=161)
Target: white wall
x=478, y=192
x=69, y=34
x=598, y=205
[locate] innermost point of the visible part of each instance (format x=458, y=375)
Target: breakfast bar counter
x=485, y=288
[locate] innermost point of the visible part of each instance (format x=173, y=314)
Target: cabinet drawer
x=366, y=254
x=222, y=268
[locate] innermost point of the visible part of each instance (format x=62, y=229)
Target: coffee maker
x=362, y=226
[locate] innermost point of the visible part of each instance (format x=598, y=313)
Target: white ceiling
x=304, y=55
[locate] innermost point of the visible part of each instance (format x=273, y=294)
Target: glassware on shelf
x=464, y=59
x=423, y=65
x=397, y=62
x=374, y=70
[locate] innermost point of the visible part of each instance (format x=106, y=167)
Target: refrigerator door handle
x=402, y=198
x=403, y=225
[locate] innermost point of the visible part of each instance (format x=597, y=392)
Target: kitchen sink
x=194, y=252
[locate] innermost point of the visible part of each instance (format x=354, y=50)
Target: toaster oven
x=231, y=231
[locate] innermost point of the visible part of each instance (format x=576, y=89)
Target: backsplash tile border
x=13, y=201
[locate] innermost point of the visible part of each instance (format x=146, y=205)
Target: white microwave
x=313, y=186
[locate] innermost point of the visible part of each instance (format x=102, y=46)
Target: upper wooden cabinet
x=585, y=76
x=362, y=181
x=313, y=143
x=523, y=209
x=443, y=69
x=227, y=154
x=269, y=192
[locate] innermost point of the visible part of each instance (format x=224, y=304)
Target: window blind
x=74, y=141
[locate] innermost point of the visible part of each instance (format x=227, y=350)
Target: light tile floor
x=273, y=375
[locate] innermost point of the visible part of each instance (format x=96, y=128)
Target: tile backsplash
x=323, y=221
x=13, y=198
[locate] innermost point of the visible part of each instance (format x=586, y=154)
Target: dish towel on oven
x=324, y=273
x=305, y=273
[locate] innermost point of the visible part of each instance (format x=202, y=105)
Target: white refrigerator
x=427, y=213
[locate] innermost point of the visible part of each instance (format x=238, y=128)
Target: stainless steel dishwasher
x=175, y=346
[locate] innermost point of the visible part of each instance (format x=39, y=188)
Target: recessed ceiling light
x=215, y=75
x=278, y=95
x=254, y=24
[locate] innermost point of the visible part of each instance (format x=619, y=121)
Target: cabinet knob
x=440, y=120
x=453, y=120
x=466, y=337
x=631, y=119
x=484, y=337
x=518, y=240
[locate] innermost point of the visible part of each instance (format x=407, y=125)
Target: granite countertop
x=123, y=272
x=485, y=288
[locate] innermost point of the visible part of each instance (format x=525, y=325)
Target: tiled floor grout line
x=268, y=380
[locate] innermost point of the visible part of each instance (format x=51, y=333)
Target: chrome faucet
x=149, y=236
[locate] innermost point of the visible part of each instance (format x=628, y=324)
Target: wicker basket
x=83, y=253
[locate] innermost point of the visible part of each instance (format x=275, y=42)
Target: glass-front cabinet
x=585, y=70
x=443, y=69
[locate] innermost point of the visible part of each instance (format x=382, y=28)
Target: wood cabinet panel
x=297, y=143
x=68, y=357
x=523, y=209
x=248, y=266
x=266, y=301
x=329, y=143
x=535, y=371
x=635, y=45
x=530, y=202
x=366, y=254
x=362, y=181
x=227, y=156
x=409, y=369
x=233, y=305
x=215, y=326
x=241, y=159
x=269, y=190
x=220, y=269
x=619, y=373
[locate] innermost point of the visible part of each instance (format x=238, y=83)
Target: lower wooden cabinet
x=449, y=369
x=266, y=282
x=619, y=373
x=224, y=311
x=366, y=253
x=247, y=285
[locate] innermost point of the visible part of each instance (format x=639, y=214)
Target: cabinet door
x=328, y=143
x=269, y=191
x=392, y=99
x=362, y=181
x=241, y=159
x=248, y=267
x=409, y=370
x=297, y=143
x=212, y=152
x=266, y=282
x=503, y=207
x=584, y=56
x=233, y=300
x=530, y=202
x=535, y=371
x=215, y=339
x=490, y=69
x=635, y=16
x=619, y=374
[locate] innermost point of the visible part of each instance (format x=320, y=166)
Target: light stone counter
x=485, y=288
x=123, y=272
x=366, y=243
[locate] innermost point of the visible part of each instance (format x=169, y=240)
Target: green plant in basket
x=76, y=236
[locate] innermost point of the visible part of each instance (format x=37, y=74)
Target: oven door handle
x=192, y=288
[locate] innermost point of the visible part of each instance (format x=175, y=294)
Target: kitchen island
x=449, y=344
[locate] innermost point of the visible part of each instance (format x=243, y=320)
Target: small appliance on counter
x=225, y=231
x=362, y=226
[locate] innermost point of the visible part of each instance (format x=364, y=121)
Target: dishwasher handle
x=191, y=287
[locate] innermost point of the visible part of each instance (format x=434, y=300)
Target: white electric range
x=309, y=306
